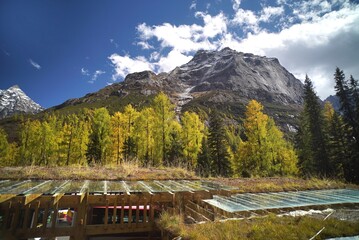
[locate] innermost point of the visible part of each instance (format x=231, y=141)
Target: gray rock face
x=248, y=75
x=14, y=101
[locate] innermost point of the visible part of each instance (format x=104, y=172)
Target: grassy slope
x=269, y=227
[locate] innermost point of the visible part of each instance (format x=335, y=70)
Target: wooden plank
x=101, y=230
x=54, y=216
x=56, y=197
x=114, y=213
x=138, y=212
x=31, y=197
x=122, y=212
x=36, y=214
x=130, y=212
x=152, y=211
x=15, y=217
x=106, y=213
x=145, y=212
x=26, y=218
x=7, y=214
x=6, y=197
x=45, y=216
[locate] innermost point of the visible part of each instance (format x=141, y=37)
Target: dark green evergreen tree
x=217, y=142
x=349, y=100
x=203, y=167
x=315, y=138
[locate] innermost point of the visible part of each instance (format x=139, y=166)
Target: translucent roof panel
x=262, y=201
x=104, y=187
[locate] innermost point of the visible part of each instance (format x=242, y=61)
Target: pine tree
x=338, y=146
x=220, y=164
x=175, y=147
x=203, y=167
x=349, y=100
x=315, y=138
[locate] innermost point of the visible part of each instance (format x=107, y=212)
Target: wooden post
x=36, y=214
x=45, y=216
x=129, y=211
x=26, y=218
x=138, y=211
x=152, y=211
x=15, y=217
x=54, y=216
x=122, y=211
x=144, y=221
x=106, y=213
x=114, y=212
x=7, y=214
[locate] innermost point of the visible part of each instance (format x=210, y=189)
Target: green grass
x=269, y=227
x=127, y=171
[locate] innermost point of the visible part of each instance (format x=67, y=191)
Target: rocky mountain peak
x=14, y=101
x=249, y=75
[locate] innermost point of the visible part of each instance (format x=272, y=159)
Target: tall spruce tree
x=315, y=137
x=203, y=167
x=349, y=101
x=218, y=147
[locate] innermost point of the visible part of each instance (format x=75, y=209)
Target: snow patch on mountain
x=14, y=101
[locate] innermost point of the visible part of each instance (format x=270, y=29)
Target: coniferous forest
x=326, y=144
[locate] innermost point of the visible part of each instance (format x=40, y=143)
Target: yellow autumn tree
x=8, y=151
x=144, y=135
x=117, y=137
x=265, y=152
x=164, y=116
x=192, y=134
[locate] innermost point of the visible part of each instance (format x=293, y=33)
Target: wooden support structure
x=82, y=214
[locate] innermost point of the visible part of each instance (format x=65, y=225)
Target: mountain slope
x=225, y=80
x=14, y=101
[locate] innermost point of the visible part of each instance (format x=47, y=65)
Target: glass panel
x=96, y=186
x=115, y=186
x=135, y=186
x=154, y=187
x=257, y=201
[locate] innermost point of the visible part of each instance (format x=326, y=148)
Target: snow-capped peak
x=14, y=101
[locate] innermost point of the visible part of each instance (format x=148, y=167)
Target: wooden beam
x=106, y=213
x=5, y=197
x=54, y=216
x=7, y=214
x=45, y=217
x=56, y=197
x=31, y=197
x=26, y=218
x=114, y=213
x=36, y=214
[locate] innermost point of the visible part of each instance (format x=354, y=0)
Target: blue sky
x=56, y=50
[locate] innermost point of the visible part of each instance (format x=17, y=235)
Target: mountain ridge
x=15, y=101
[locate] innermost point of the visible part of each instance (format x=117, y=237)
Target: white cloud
x=125, y=65
x=310, y=38
x=269, y=12
x=172, y=60
x=85, y=72
x=314, y=48
x=236, y=4
x=34, y=64
x=97, y=74
x=193, y=5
